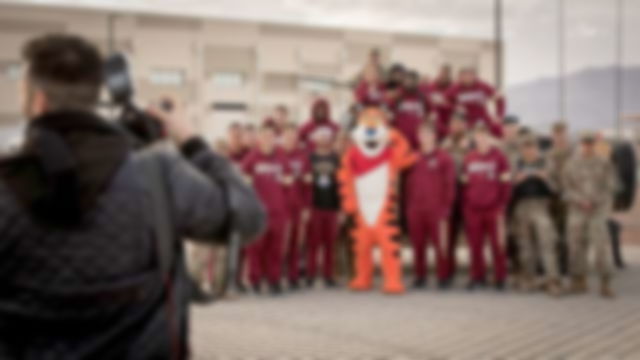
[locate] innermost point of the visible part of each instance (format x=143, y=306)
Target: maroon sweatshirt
x=474, y=100
x=486, y=179
x=238, y=155
x=369, y=94
x=313, y=124
x=431, y=184
x=297, y=162
x=267, y=173
x=438, y=94
x=410, y=110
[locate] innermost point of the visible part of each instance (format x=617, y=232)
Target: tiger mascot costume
x=369, y=177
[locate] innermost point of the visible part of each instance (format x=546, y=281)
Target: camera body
x=143, y=128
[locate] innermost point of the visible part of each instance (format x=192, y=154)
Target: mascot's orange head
x=371, y=133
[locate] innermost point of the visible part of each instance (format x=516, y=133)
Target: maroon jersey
x=437, y=93
x=486, y=179
x=473, y=99
x=238, y=155
x=268, y=173
x=430, y=184
x=410, y=110
x=297, y=162
x=369, y=94
x=313, y=125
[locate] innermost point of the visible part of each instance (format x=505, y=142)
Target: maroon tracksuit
x=486, y=195
x=314, y=124
x=438, y=92
x=297, y=162
x=369, y=94
x=410, y=110
x=473, y=99
x=267, y=172
x=325, y=203
x=430, y=190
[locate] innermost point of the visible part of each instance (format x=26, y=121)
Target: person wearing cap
x=457, y=144
x=325, y=206
x=531, y=197
x=557, y=158
x=588, y=183
x=487, y=184
x=510, y=145
x=511, y=139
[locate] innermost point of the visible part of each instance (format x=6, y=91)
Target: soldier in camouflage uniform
x=511, y=140
x=557, y=157
x=510, y=145
x=589, y=183
x=531, y=197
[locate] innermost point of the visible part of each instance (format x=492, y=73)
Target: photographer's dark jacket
x=79, y=273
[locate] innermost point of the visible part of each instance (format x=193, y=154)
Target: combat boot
x=554, y=288
x=579, y=285
x=605, y=288
x=525, y=283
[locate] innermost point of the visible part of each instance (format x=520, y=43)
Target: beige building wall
x=226, y=70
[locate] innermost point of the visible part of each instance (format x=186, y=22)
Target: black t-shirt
x=532, y=186
x=324, y=185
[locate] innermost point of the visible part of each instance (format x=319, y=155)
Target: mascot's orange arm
x=402, y=157
x=347, y=187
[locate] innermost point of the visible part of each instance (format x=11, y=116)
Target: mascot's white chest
x=372, y=189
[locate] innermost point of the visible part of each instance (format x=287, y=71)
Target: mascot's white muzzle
x=371, y=140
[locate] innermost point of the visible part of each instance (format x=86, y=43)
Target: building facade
x=226, y=70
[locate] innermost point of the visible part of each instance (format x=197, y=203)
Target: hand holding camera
x=177, y=128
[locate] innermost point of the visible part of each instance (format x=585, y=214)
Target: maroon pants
x=479, y=226
x=293, y=245
x=425, y=228
x=265, y=255
x=323, y=231
x=456, y=225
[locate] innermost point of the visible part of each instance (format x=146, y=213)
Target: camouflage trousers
x=199, y=258
x=536, y=237
x=585, y=230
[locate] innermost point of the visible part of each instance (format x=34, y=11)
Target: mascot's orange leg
x=363, y=242
x=391, y=261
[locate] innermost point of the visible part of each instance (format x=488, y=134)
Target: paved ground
x=337, y=324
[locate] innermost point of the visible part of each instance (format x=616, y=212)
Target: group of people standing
x=480, y=176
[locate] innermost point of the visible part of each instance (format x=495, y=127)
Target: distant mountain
x=590, y=99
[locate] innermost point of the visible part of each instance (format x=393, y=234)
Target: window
x=279, y=82
x=316, y=85
x=167, y=77
x=228, y=79
x=12, y=71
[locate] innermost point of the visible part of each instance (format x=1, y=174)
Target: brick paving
x=430, y=324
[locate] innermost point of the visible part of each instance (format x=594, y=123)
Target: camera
x=143, y=128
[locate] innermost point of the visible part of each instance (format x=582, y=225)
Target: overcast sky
x=530, y=25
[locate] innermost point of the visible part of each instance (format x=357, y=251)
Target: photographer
x=81, y=273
